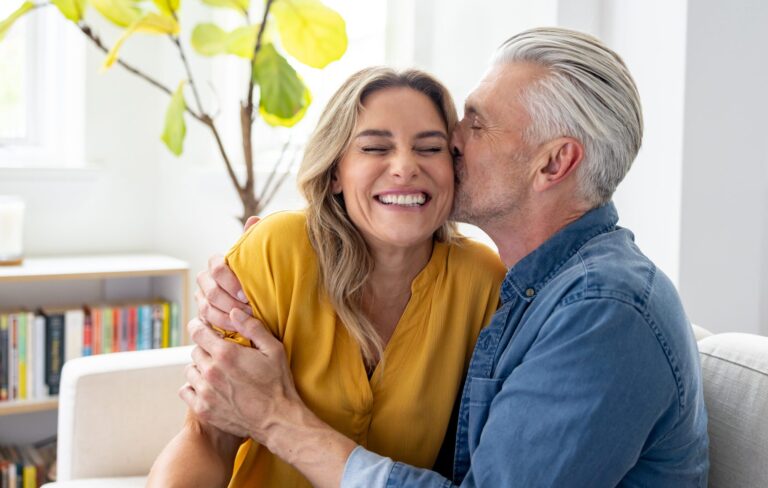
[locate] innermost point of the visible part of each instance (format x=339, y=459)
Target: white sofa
x=117, y=411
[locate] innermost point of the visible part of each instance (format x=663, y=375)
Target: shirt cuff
x=366, y=469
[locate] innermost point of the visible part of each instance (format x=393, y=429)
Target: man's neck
x=516, y=236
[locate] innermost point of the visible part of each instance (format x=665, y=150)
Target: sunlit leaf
x=168, y=7
x=150, y=23
x=241, y=42
x=239, y=5
x=6, y=24
x=74, y=10
x=283, y=95
x=209, y=39
x=310, y=32
x=175, y=129
x=119, y=12
x=274, y=120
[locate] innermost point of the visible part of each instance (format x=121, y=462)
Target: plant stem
x=202, y=117
x=97, y=41
x=246, y=110
x=176, y=40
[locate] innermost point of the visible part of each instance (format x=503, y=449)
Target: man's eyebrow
x=374, y=132
x=431, y=133
x=470, y=109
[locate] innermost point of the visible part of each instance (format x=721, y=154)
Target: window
x=41, y=91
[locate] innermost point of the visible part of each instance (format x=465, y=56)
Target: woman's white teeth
x=407, y=200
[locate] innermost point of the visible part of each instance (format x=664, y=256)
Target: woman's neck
x=394, y=269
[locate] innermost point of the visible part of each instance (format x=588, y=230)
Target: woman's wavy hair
x=343, y=257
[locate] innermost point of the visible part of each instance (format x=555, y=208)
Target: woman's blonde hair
x=343, y=257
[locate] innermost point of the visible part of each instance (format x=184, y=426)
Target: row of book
x=27, y=466
x=35, y=345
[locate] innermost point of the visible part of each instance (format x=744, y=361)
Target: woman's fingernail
x=238, y=315
x=241, y=296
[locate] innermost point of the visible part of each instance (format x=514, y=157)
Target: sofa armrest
x=117, y=411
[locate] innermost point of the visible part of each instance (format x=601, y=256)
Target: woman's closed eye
x=430, y=149
x=374, y=149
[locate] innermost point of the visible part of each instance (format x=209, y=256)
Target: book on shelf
x=28, y=466
x=35, y=345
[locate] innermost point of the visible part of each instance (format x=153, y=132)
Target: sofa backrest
x=735, y=374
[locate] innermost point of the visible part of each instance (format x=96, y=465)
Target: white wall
x=723, y=244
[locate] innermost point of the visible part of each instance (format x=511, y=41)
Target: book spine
x=145, y=327
x=13, y=355
x=175, y=326
x=74, y=321
x=21, y=324
x=55, y=351
x=133, y=333
x=157, y=326
x=96, y=330
x=125, y=329
x=166, y=313
x=4, y=350
x=117, y=328
x=107, y=330
x=29, y=320
x=88, y=332
x=41, y=390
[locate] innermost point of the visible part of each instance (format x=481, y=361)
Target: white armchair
x=117, y=411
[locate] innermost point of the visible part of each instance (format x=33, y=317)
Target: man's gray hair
x=588, y=94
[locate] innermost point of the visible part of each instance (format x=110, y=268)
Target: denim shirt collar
x=535, y=270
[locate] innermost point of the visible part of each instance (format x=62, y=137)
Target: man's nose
x=457, y=143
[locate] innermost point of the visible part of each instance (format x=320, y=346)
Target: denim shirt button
x=530, y=292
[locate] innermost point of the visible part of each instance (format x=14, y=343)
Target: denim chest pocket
x=482, y=391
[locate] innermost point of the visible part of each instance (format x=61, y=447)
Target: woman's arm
x=199, y=456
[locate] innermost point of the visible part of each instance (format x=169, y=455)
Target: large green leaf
x=239, y=5
x=120, y=12
x=175, y=129
x=310, y=32
x=210, y=40
x=6, y=24
x=241, y=41
x=74, y=10
x=150, y=23
x=283, y=95
x=167, y=7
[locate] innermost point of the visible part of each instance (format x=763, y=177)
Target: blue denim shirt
x=587, y=376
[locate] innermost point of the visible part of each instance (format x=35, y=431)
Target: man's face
x=494, y=169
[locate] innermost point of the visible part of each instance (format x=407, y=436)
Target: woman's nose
x=404, y=166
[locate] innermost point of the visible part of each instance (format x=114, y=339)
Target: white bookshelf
x=66, y=281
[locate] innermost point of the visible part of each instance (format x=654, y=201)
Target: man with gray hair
x=588, y=374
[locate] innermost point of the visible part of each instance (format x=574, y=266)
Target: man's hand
x=249, y=392
x=237, y=388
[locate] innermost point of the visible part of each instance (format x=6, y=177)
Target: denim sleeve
x=365, y=469
x=577, y=411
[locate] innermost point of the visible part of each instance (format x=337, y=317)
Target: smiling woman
x=376, y=299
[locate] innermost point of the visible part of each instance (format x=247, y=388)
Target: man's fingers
x=251, y=221
x=217, y=296
x=254, y=330
x=201, y=359
x=205, y=337
x=225, y=278
x=212, y=315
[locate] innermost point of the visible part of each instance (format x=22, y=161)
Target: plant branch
x=202, y=117
x=246, y=110
x=176, y=40
x=267, y=197
x=265, y=188
x=97, y=41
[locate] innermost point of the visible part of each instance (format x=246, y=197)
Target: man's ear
x=562, y=157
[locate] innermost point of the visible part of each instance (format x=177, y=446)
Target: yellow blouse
x=404, y=409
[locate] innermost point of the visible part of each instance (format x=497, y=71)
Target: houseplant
x=308, y=31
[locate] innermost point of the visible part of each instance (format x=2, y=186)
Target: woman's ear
x=335, y=182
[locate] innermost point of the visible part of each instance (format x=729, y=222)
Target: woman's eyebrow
x=374, y=132
x=431, y=133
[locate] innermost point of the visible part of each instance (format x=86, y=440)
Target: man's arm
x=249, y=392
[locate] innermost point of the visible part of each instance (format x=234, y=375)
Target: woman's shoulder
x=285, y=230
x=467, y=254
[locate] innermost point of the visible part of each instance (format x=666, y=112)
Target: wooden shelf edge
x=28, y=406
